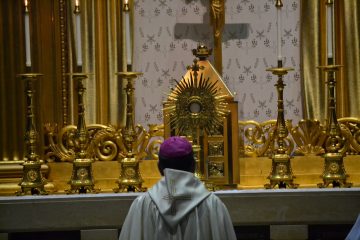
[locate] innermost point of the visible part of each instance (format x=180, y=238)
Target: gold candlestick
x=32, y=181
x=335, y=146
x=281, y=173
x=82, y=179
x=130, y=178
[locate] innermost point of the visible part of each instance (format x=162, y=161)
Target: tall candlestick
x=78, y=33
x=329, y=29
x=27, y=36
x=279, y=5
x=127, y=33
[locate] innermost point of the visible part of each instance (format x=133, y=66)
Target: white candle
x=27, y=36
x=78, y=35
x=279, y=29
x=128, y=36
x=329, y=30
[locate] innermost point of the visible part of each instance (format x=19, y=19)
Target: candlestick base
x=334, y=171
x=281, y=173
x=130, y=179
x=32, y=181
x=82, y=178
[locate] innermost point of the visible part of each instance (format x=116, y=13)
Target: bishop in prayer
x=178, y=206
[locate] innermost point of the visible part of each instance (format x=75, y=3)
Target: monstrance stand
x=281, y=172
x=32, y=181
x=130, y=178
x=82, y=180
x=334, y=171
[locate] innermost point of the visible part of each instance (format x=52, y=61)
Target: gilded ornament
x=82, y=173
x=281, y=173
x=334, y=167
x=32, y=181
x=196, y=102
x=309, y=136
x=281, y=169
x=32, y=175
x=336, y=144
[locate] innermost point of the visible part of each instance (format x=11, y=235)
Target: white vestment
x=178, y=207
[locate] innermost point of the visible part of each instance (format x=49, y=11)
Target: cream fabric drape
x=313, y=39
x=52, y=47
x=352, y=55
x=313, y=84
x=101, y=40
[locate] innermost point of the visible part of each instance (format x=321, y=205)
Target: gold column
x=101, y=55
x=12, y=107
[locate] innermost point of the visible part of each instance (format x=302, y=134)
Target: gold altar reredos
x=254, y=149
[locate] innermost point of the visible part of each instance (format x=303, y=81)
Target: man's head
x=176, y=153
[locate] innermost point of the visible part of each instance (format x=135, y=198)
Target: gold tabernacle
x=201, y=106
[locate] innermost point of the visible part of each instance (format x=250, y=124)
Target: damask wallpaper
x=167, y=30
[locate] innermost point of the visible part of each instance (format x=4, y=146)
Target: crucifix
x=221, y=32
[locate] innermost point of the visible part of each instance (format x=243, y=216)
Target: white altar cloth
x=246, y=207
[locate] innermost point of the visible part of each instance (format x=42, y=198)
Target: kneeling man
x=178, y=206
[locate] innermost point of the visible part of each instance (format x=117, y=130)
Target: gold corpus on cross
x=217, y=15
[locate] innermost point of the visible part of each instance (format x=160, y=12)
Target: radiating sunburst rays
x=196, y=103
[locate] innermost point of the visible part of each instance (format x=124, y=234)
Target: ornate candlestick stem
x=199, y=170
x=32, y=181
x=82, y=177
x=130, y=178
x=334, y=170
x=281, y=173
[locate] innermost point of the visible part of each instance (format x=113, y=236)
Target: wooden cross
x=217, y=21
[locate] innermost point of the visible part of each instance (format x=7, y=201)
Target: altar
x=256, y=214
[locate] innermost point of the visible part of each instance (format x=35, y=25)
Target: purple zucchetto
x=175, y=147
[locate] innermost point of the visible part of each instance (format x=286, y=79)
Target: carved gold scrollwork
x=142, y=141
x=59, y=148
x=288, y=141
x=104, y=141
x=350, y=129
x=258, y=137
x=62, y=144
x=156, y=133
x=309, y=136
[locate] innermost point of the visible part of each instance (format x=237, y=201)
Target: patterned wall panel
x=167, y=30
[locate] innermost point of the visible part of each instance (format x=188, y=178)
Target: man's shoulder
x=143, y=197
x=213, y=199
